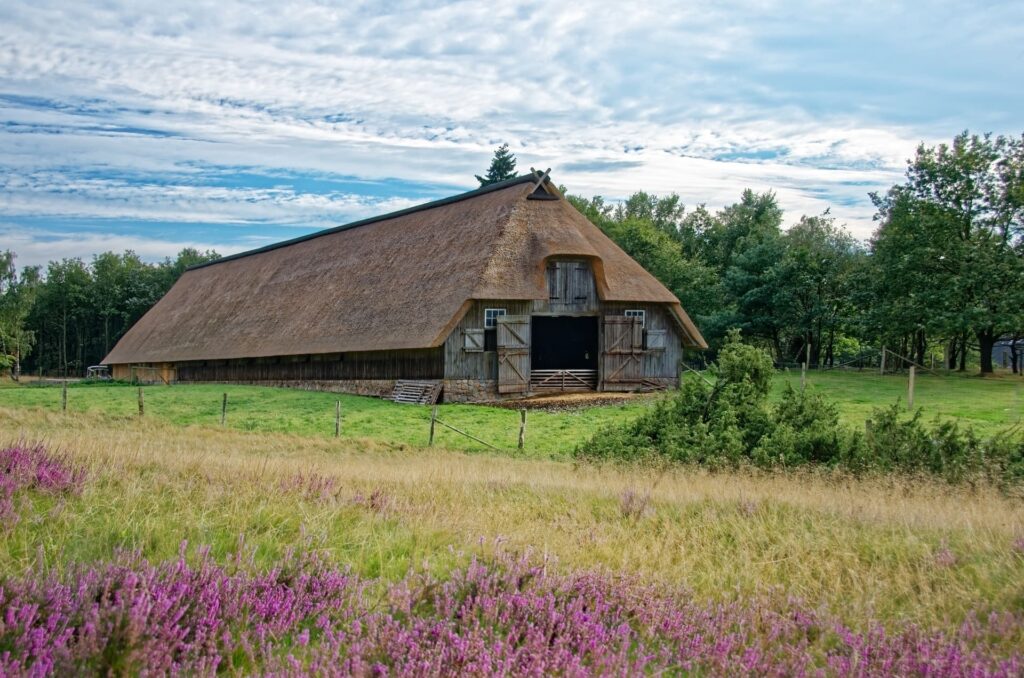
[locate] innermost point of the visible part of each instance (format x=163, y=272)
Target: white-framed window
x=491, y=317
x=637, y=313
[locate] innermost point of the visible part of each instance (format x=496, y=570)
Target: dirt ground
x=565, y=402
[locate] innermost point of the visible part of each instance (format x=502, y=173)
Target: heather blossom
x=31, y=467
x=506, y=617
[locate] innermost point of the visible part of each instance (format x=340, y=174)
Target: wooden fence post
x=142, y=403
x=433, y=419
x=522, y=428
x=337, y=419
x=64, y=396
x=224, y=409
x=881, y=371
x=910, y=388
x=803, y=376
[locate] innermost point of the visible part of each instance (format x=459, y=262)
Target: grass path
x=988, y=404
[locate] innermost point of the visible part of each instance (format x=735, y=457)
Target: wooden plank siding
x=461, y=364
x=655, y=364
x=402, y=364
x=571, y=288
x=513, y=342
x=622, y=354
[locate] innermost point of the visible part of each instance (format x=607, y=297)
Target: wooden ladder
x=416, y=392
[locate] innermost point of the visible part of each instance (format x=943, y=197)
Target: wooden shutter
x=656, y=340
x=513, y=354
x=581, y=284
x=622, y=357
x=554, y=289
x=473, y=341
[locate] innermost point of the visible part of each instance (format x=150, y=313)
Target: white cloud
x=36, y=248
x=820, y=102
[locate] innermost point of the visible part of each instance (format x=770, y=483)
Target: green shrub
x=715, y=426
x=731, y=423
x=944, y=449
x=805, y=429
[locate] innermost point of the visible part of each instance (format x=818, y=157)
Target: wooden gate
x=622, y=359
x=513, y=353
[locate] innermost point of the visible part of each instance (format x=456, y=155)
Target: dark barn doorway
x=564, y=343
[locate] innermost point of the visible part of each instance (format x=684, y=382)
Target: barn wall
x=462, y=364
x=571, y=288
x=370, y=365
x=154, y=372
x=472, y=375
x=657, y=365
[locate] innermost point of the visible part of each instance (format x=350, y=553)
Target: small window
x=491, y=316
x=637, y=313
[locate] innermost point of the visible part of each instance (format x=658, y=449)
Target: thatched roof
x=397, y=281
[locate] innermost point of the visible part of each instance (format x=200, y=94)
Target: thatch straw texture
x=396, y=282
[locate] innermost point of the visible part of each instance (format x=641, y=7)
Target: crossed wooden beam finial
x=542, y=177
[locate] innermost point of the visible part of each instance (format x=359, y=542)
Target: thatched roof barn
x=409, y=295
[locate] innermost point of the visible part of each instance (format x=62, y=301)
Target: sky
x=153, y=126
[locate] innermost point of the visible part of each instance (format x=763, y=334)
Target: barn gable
x=399, y=281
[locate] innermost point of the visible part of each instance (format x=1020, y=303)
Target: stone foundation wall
x=471, y=390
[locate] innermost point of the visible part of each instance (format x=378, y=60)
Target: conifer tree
x=503, y=166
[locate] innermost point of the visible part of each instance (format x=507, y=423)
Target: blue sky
x=152, y=126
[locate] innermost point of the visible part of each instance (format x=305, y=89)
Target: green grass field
x=987, y=404
x=892, y=549
x=277, y=410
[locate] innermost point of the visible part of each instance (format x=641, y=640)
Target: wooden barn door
x=513, y=353
x=623, y=354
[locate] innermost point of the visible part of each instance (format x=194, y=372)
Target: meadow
x=989, y=405
x=786, y=572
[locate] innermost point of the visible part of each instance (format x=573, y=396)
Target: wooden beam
x=542, y=178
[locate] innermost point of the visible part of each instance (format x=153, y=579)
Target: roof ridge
x=521, y=179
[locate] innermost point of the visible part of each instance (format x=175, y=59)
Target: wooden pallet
x=563, y=380
x=416, y=392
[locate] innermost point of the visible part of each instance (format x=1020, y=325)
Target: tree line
x=67, y=317
x=943, y=271
x=942, y=275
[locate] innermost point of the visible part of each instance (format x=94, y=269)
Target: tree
x=81, y=310
x=742, y=243
x=746, y=223
x=17, y=294
x=62, y=311
x=812, y=281
x=503, y=166
x=664, y=213
x=950, y=244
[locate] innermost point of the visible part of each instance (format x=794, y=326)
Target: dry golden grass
x=894, y=548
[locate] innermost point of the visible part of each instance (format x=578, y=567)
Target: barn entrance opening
x=564, y=353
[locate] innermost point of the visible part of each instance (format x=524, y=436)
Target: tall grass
x=897, y=550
